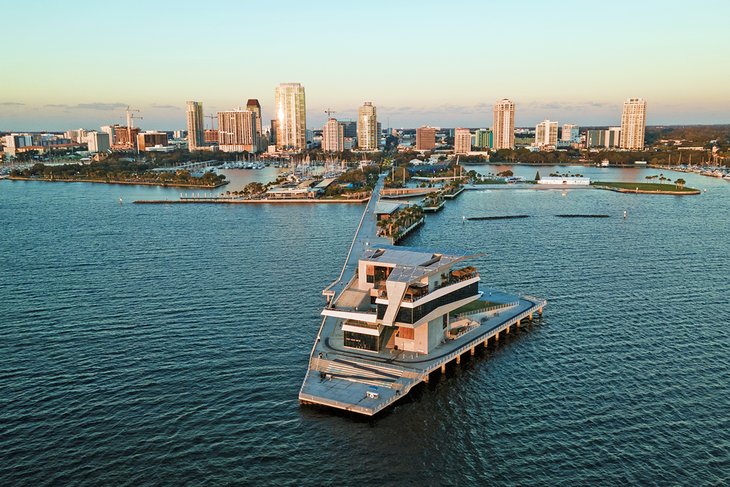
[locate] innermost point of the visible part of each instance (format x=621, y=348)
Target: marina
x=395, y=315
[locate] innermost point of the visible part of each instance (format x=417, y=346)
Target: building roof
x=325, y=182
x=386, y=207
x=411, y=264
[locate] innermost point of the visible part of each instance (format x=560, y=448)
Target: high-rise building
x=253, y=105
x=483, y=138
x=425, y=138
x=633, y=124
x=546, y=134
x=196, y=129
x=333, y=136
x=273, y=131
x=291, y=115
x=98, y=142
x=237, y=131
x=571, y=133
x=462, y=141
x=367, y=127
x=504, y=124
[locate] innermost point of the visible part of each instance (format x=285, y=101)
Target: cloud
x=100, y=106
x=11, y=104
x=166, y=107
x=559, y=105
x=56, y=105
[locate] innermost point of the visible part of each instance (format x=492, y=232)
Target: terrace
x=418, y=290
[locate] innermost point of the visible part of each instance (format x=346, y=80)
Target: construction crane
x=212, y=118
x=329, y=112
x=130, y=124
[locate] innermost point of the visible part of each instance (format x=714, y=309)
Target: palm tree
x=680, y=183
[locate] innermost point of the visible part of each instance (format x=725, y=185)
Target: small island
x=677, y=188
x=118, y=170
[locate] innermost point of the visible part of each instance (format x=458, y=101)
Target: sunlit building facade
x=367, y=127
x=504, y=124
x=633, y=124
x=196, y=134
x=291, y=116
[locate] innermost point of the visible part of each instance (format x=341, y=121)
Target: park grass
x=652, y=187
x=474, y=306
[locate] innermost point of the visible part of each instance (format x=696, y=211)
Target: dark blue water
x=166, y=344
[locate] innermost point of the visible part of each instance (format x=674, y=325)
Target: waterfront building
x=462, y=141
x=111, y=131
x=196, y=137
x=483, y=139
x=333, y=135
x=546, y=134
x=504, y=124
x=571, y=134
x=425, y=138
x=291, y=116
x=237, y=131
x=367, y=127
x=98, y=142
x=565, y=181
x=633, y=124
x=151, y=139
x=401, y=300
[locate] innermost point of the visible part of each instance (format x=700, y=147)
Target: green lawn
x=644, y=186
x=473, y=306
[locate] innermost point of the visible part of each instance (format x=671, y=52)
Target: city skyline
x=454, y=83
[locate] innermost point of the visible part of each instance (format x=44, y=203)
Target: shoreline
x=228, y=201
x=138, y=183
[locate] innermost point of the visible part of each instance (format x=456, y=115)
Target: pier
x=366, y=382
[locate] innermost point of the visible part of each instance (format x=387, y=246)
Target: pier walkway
x=368, y=382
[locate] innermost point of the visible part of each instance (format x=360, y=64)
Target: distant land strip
x=104, y=181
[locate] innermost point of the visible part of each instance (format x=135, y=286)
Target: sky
x=80, y=63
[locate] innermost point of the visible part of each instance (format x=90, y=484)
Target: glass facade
x=412, y=315
x=361, y=341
